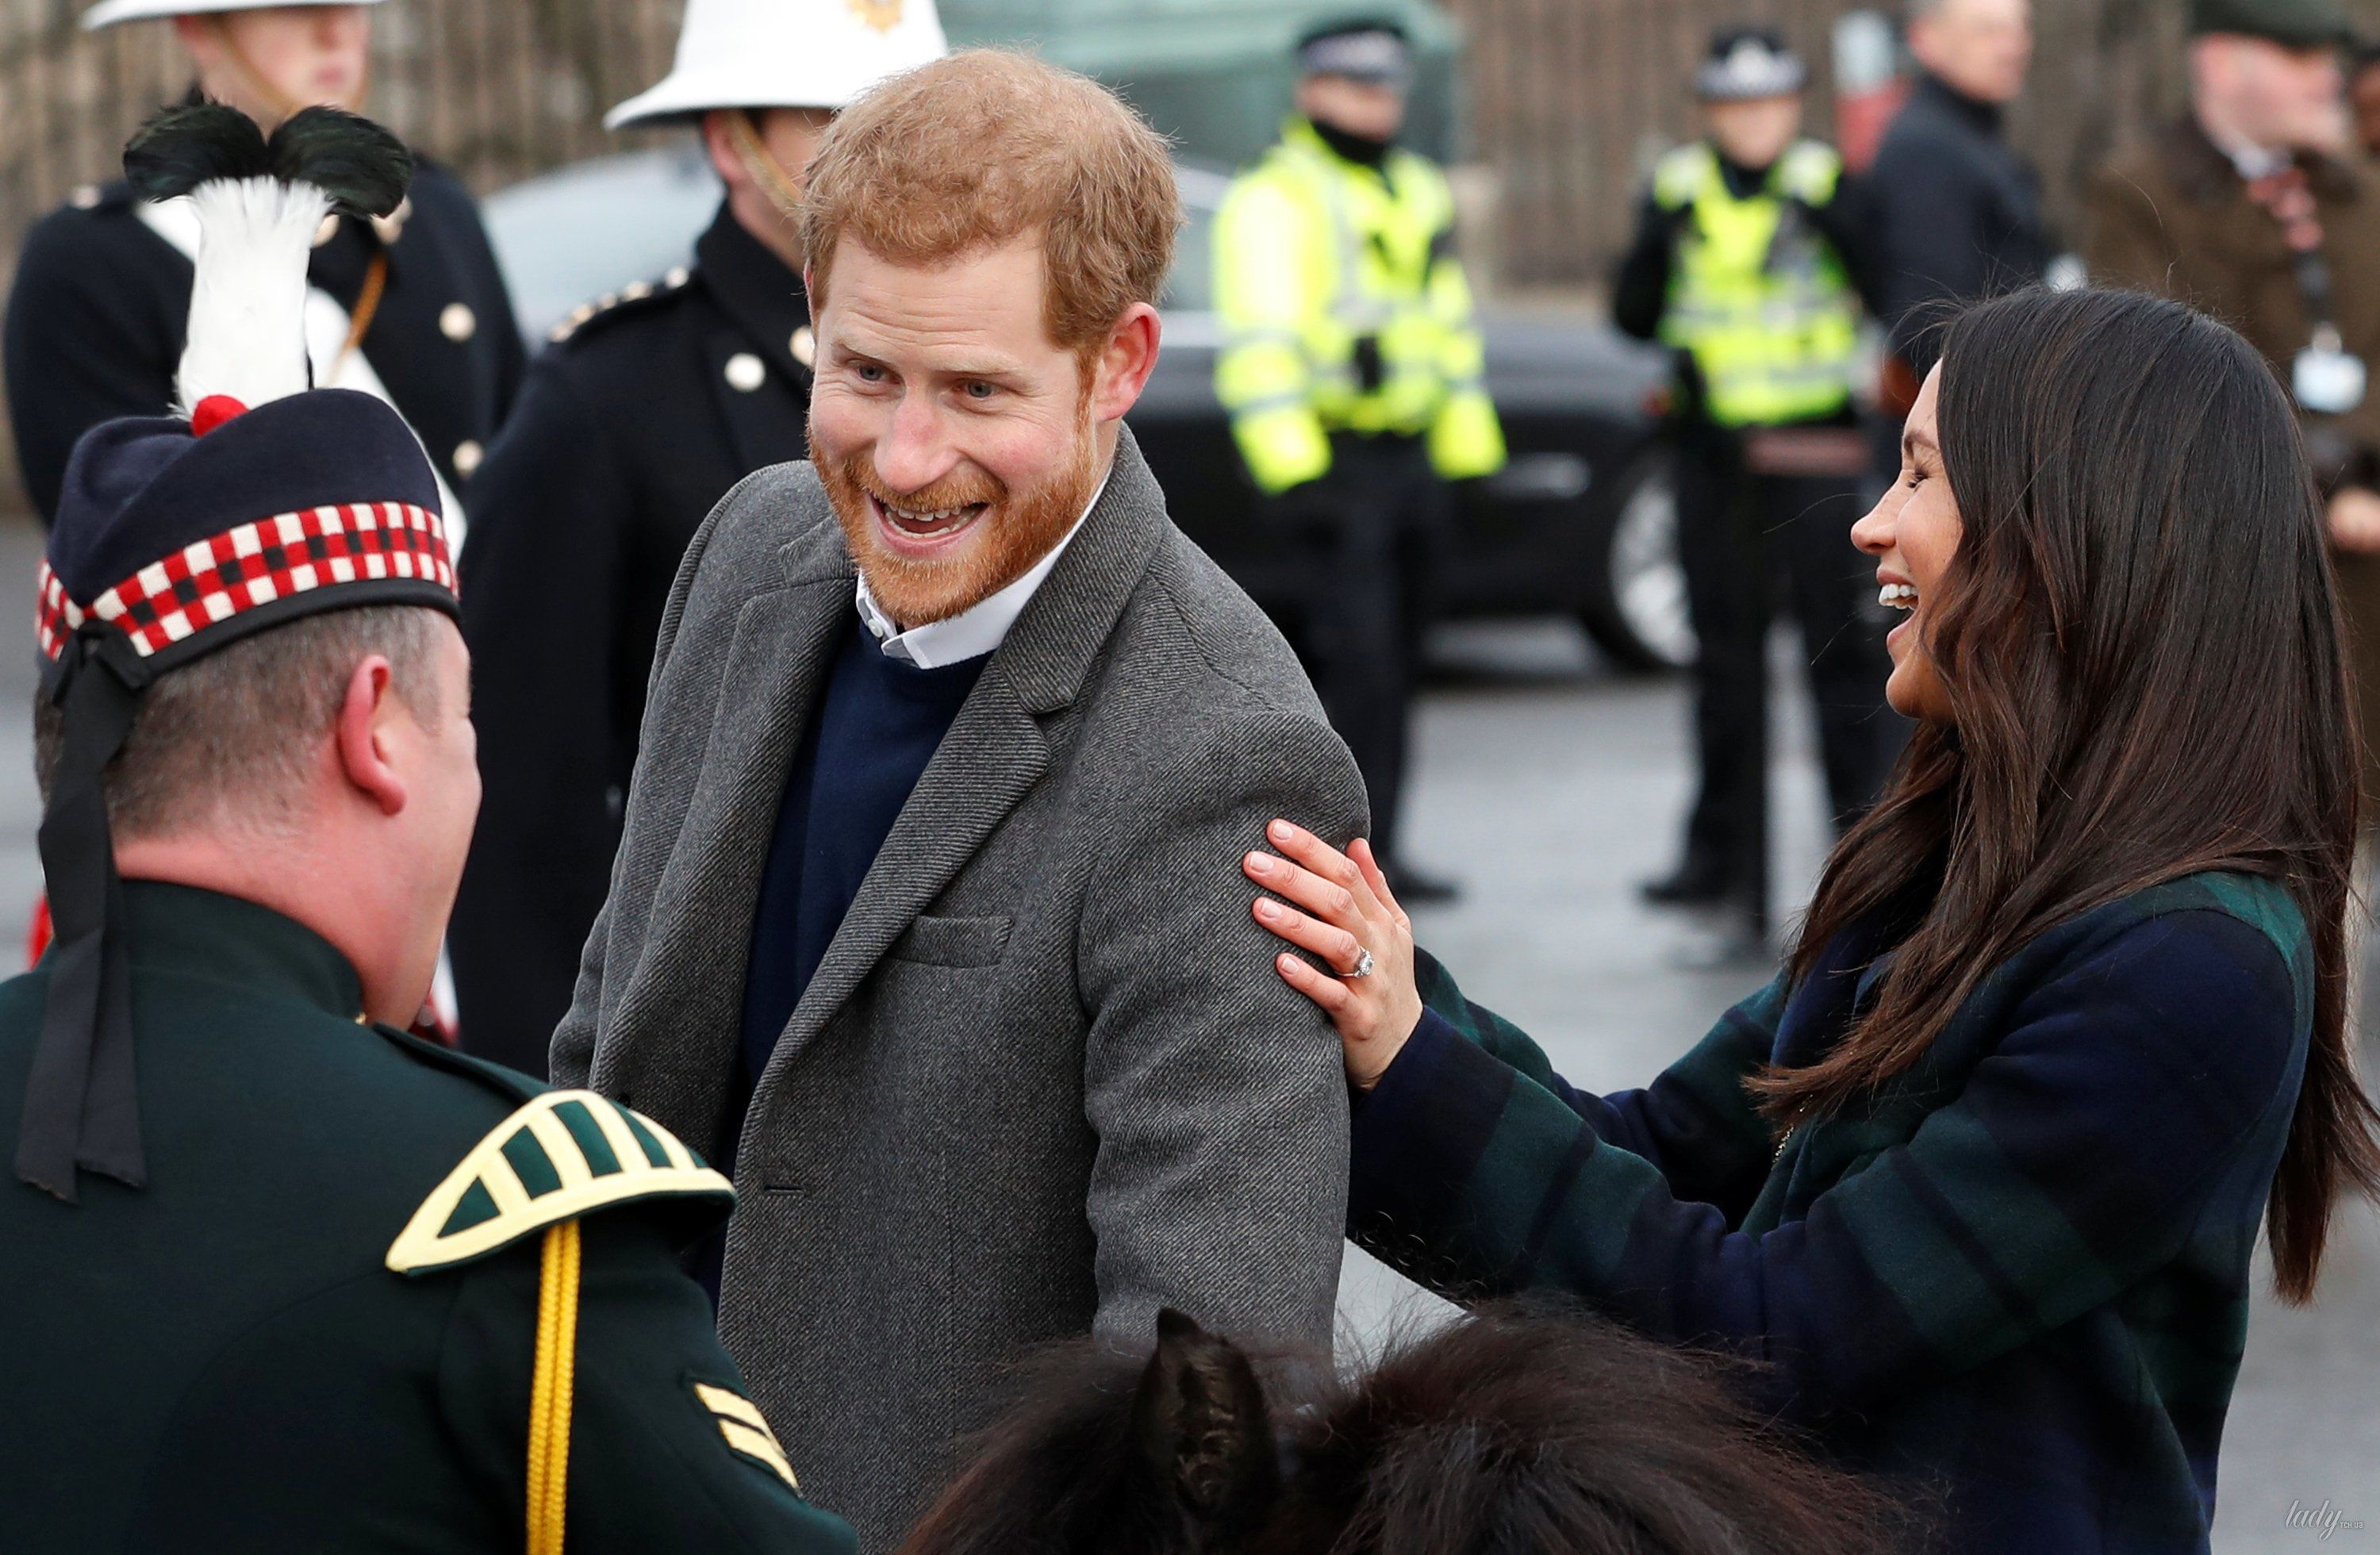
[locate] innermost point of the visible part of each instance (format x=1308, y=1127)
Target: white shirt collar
x=973, y=631
x=2250, y=160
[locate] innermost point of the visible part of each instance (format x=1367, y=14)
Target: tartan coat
x=2016, y=1281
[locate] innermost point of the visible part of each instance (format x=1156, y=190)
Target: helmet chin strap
x=761, y=164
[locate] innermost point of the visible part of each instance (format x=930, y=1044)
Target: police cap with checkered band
x=260, y=501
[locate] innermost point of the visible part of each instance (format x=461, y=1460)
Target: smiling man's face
x=955, y=439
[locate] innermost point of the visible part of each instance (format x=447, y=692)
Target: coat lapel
x=996, y=749
x=991, y=758
x=687, y=986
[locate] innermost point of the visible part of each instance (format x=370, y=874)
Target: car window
x=1191, y=287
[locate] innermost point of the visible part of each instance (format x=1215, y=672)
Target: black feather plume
x=363, y=167
x=191, y=144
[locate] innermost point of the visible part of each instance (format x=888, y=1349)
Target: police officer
x=1354, y=373
x=410, y=308
x=297, y=1280
x=648, y=406
x=1747, y=263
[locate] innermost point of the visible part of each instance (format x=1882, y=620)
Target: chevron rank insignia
x=746, y=1429
x=558, y=1156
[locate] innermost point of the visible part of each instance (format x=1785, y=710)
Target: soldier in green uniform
x=279, y=1276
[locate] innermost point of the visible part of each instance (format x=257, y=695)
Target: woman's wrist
x=1383, y=1052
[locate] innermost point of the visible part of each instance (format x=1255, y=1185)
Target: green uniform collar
x=188, y=931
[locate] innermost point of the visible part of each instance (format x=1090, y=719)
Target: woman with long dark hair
x=1979, y=1176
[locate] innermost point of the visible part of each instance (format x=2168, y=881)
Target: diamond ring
x=1362, y=965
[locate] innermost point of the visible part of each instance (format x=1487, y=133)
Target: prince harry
x=927, y=918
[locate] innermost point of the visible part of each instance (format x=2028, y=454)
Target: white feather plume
x=248, y=304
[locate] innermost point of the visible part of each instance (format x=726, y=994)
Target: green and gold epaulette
x=561, y=1156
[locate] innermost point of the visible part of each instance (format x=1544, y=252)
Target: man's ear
x=362, y=753
x=1200, y=1424
x=715, y=140
x=1125, y=363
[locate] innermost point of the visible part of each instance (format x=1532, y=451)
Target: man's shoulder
x=560, y=1156
x=439, y=193
x=2140, y=164
x=1188, y=621
x=1199, y=680
x=636, y=315
x=629, y=359
x=250, y=1103
x=1928, y=119
x=97, y=233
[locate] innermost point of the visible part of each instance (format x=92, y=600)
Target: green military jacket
x=316, y=1327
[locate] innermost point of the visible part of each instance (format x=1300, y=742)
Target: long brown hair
x=2139, y=644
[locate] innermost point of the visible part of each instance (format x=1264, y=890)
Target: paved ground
x=1551, y=788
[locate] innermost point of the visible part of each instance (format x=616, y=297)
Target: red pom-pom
x=213, y=412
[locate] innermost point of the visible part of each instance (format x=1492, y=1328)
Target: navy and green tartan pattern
x=2017, y=1278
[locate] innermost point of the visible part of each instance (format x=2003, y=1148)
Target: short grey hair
x=229, y=740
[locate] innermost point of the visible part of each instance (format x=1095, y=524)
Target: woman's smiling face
x=1912, y=532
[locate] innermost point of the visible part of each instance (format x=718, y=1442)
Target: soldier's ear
x=1200, y=1425
x=721, y=148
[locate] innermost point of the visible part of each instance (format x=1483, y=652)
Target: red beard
x=1001, y=545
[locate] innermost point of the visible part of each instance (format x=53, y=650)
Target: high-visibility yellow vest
x=1757, y=296
x=1315, y=256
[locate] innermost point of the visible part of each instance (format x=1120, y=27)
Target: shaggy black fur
x=363, y=167
x=1518, y=1431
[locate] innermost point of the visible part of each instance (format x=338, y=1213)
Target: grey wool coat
x=1046, y=1079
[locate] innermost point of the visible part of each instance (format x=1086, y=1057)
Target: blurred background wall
x=1557, y=105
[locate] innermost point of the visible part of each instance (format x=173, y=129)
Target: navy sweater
x=877, y=725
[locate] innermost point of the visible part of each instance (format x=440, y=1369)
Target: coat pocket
x=953, y=942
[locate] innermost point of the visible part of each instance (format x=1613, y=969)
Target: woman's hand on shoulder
x=1348, y=912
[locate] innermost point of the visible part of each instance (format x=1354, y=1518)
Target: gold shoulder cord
x=549, y=1401
x=485, y=1206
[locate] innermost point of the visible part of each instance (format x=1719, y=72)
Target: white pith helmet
x=107, y=13
x=786, y=54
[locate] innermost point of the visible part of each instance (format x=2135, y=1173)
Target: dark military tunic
x=227, y=1359
x=101, y=306
x=633, y=425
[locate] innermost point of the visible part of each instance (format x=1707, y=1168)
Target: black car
x=1580, y=523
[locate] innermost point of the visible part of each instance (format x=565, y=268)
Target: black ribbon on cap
x=82, y=1110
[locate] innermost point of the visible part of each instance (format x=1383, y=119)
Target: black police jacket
x=635, y=421
x=101, y=306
